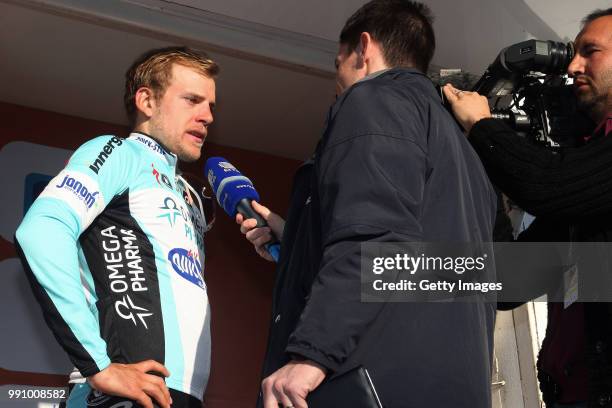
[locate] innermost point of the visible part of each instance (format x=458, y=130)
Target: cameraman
x=566, y=190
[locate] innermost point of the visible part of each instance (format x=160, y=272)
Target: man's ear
x=371, y=53
x=365, y=45
x=145, y=101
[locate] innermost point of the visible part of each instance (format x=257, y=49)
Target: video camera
x=528, y=88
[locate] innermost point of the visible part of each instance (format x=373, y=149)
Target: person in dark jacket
x=568, y=192
x=391, y=166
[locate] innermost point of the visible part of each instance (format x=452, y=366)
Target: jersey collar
x=154, y=146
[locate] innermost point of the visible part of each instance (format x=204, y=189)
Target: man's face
x=181, y=116
x=591, y=67
x=349, y=68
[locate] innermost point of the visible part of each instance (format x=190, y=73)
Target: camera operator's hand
x=468, y=107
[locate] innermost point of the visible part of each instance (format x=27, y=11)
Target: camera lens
x=560, y=56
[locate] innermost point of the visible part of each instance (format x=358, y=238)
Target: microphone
x=234, y=194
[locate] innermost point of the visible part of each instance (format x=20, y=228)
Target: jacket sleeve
x=370, y=179
x=569, y=182
x=47, y=244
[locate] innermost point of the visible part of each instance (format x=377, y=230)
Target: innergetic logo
x=106, y=151
x=187, y=266
x=78, y=189
x=127, y=309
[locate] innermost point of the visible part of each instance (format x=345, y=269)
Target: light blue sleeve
x=48, y=237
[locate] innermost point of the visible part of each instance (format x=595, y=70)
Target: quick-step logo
x=187, y=266
x=151, y=145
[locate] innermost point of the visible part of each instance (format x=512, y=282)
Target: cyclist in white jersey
x=113, y=247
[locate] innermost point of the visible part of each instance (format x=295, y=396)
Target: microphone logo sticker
x=226, y=165
x=211, y=177
x=187, y=266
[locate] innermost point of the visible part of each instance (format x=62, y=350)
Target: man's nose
x=205, y=116
x=576, y=66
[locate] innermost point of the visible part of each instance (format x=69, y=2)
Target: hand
x=290, y=385
x=262, y=235
x=468, y=107
x=132, y=381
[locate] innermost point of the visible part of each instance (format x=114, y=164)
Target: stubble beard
x=597, y=102
x=591, y=102
x=185, y=154
x=186, y=157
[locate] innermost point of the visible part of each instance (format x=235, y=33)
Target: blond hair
x=154, y=70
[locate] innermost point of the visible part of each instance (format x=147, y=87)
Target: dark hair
x=153, y=70
x=595, y=14
x=402, y=27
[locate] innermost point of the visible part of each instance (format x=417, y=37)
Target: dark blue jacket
x=391, y=166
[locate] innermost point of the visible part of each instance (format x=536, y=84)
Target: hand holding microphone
x=238, y=197
x=260, y=236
